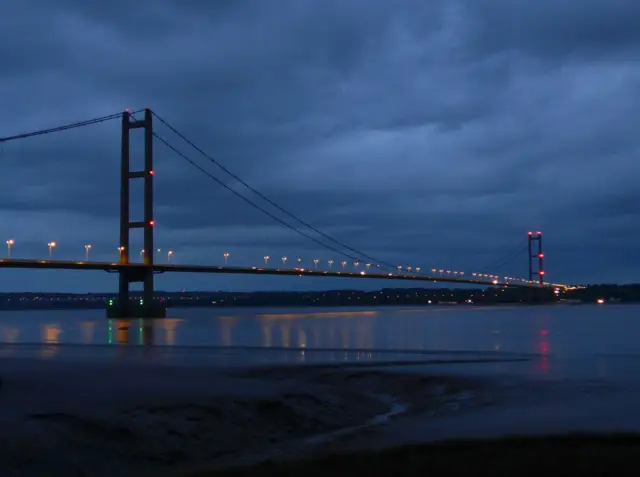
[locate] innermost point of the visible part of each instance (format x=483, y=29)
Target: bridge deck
x=163, y=268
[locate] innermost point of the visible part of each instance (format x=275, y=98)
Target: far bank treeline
x=384, y=297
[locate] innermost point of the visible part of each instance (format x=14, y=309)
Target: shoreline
x=103, y=306
x=411, y=306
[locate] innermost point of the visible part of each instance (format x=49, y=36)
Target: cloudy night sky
x=426, y=133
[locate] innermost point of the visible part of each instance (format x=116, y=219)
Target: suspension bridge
x=144, y=271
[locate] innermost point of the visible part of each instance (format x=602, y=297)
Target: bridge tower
x=538, y=256
x=146, y=308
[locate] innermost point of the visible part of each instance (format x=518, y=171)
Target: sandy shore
x=105, y=419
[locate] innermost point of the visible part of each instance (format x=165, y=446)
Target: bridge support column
x=124, y=306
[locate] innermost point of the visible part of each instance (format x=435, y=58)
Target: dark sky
x=429, y=133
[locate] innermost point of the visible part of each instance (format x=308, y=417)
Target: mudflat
x=104, y=419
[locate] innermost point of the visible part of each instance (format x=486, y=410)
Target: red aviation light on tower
x=152, y=223
x=529, y=233
x=541, y=272
x=541, y=255
x=538, y=233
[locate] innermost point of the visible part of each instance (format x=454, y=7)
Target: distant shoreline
x=101, y=306
x=333, y=298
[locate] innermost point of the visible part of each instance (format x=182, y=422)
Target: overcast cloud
x=427, y=133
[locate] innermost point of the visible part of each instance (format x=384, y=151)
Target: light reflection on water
x=548, y=332
x=332, y=329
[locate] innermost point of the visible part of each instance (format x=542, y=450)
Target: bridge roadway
x=163, y=268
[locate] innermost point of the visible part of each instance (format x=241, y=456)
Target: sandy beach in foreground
x=105, y=419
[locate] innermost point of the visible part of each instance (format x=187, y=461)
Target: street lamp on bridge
x=121, y=250
x=315, y=263
x=86, y=252
x=51, y=246
x=142, y=254
x=169, y=254
x=356, y=265
x=226, y=256
x=266, y=259
x=343, y=263
x=284, y=261
x=10, y=243
x=330, y=262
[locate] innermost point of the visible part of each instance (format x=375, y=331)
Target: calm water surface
x=584, y=338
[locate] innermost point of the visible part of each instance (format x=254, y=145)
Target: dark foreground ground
x=136, y=418
x=570, y=455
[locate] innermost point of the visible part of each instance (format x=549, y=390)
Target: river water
x=582, y=339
